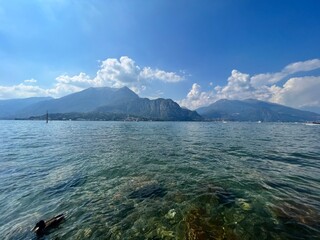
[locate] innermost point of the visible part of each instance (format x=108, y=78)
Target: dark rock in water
x=224, y=196
x=121, y=212
x=206, y=220
x=199, y=227
x=298, y=220
x=196, y=226
x=148, y=191
x=67, y=185
x=297, y=214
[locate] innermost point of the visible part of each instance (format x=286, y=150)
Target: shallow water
x=160, y=180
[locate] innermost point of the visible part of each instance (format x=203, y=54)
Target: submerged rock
x=87, y=232
x=164, y=233
x=171, y=214
x=224, y=196
x=148, y=191
x=206, y=220
x=198, y=226
x=244, y=205
x=297, y=220
x=293, y=212
x=137, y=188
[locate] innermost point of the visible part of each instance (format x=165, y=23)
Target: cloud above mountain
x=112, y=73
x=298, y=92
x=293, y=86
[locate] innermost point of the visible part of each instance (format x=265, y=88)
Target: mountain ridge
x=254, y=110
x=102, y=100
x=9, y=107
x=106, y=103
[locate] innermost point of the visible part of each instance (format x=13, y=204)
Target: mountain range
x=106, y=103
x=254, y=110
x=9, y=108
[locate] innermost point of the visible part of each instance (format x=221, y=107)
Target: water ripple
x=120, y=180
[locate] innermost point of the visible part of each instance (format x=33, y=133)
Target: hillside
x=93, y=101
x=254, y=110
x=10, y=108
x=84, y=101
x=158, y=109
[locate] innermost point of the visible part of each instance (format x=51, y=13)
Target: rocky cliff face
x=158, y=109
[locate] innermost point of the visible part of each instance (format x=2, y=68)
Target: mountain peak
x=109, y=102
x=254, y=110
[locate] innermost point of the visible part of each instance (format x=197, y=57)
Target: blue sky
x=194, y=52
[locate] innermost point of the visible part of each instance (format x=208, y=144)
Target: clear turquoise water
x=160, y=180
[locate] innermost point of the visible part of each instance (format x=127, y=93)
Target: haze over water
x=160, y=180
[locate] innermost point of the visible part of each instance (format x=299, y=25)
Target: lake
x=160, y=180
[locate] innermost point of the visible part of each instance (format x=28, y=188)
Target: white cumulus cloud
x=81, y=79
x=171, y=77
x=298, y=92
x=197, y=98
x=119, y=73
x=112, y=73
x=21, y=91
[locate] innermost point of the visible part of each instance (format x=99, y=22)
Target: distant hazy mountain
x=84, y=101
x=120, y=102
x=311, y=109
x=11, y=107
x=254, y=110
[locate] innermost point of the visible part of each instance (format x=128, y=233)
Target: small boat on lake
x=313, y=123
